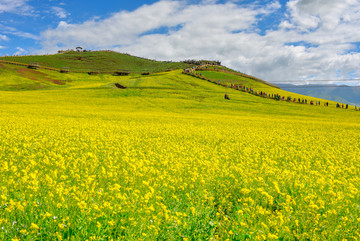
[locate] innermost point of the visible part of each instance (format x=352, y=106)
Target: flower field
x=99, y=164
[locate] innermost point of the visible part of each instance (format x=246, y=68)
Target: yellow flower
x=61, y=225
x=47, y=215
x=272, y=236
x=245, y=191
x=34, y=226
x=192, y=209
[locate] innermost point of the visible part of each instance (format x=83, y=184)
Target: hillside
x=103, y=61
x=166, y=157
x=23, y=78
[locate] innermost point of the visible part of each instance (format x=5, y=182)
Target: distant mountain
x=339, y=93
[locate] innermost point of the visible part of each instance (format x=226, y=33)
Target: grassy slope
x=168, y=84
x=98, y=60
x=229, y=78
x=110, y=62
x=165, y=89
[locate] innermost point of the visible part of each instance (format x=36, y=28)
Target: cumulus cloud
x=15, y=6
x=323, y=14
x=121, y=28
x=315, y=38
x=127, y=28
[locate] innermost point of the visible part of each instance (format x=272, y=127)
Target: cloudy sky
x=277, y=40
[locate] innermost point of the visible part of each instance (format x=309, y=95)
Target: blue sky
x=277, y=40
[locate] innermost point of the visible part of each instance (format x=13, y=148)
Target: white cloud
x=20, y=51
x=63, y=25
x=4, y=37
x=60, y=12
x=120, y=28
x=323, y=14
x=124, y=28
x=25, y=35
x=15, y=6
x=314, y=38
x=16, y=32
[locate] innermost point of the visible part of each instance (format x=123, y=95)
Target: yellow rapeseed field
x=97, y=163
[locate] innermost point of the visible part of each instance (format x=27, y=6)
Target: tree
x=78, y=49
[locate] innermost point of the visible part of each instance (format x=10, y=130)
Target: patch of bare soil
x=37, y=76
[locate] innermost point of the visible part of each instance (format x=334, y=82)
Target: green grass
x=229, y=78
x=98, y=60
x=165, y=85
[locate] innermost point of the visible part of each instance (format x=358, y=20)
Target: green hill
x=103, y=61
x=17, y=77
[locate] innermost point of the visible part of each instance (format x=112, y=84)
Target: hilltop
x=100, y=61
